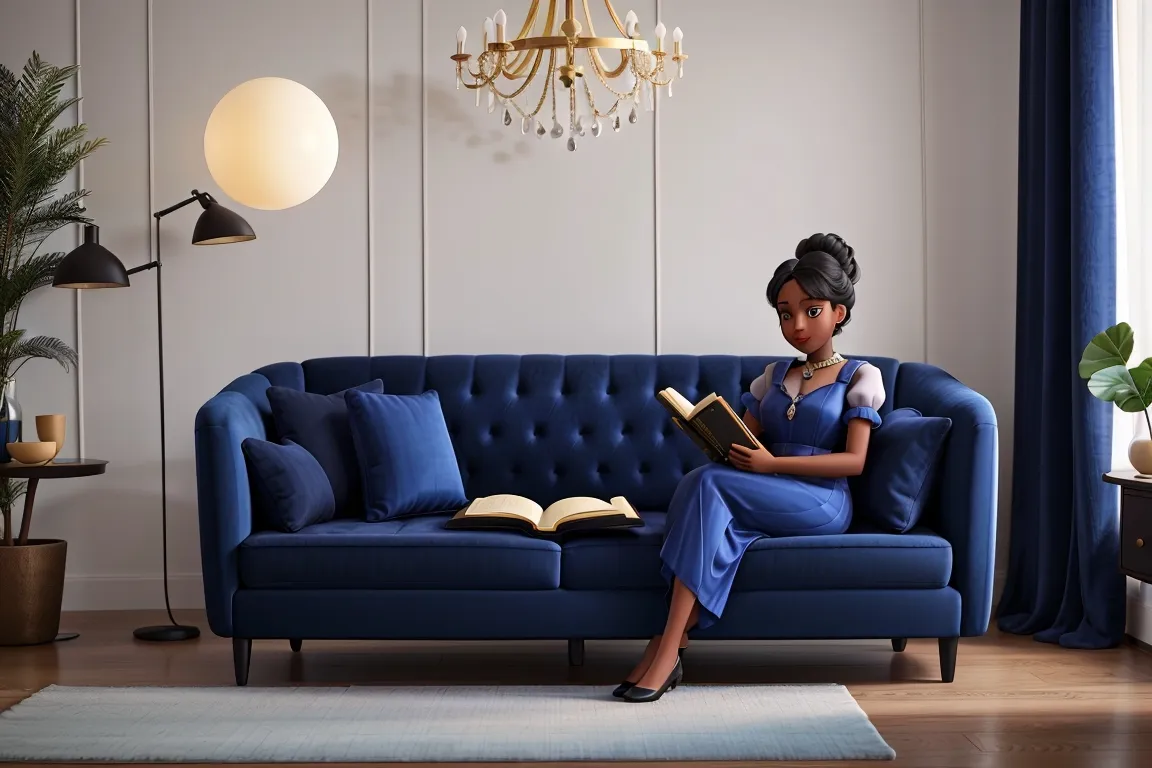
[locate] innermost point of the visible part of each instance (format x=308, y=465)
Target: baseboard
x=126, y=593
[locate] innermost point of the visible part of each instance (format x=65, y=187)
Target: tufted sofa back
x=552, y=426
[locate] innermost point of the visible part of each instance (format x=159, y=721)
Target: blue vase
x=11, y=421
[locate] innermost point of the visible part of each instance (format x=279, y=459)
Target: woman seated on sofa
x=802, y=412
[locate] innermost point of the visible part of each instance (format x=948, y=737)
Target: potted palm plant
x=37, y=152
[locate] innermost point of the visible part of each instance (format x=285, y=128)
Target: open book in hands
x=711, y=423
x=577, y=513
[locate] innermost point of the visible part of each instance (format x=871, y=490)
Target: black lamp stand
x=174, y=630
x=91, y=265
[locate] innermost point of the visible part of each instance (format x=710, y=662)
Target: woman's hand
x=749, y=460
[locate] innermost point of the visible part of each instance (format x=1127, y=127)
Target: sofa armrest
x=966, y=515
x=223, y=497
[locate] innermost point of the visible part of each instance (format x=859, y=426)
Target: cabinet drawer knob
x=1139, y=542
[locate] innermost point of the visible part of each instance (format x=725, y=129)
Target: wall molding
x=371, y=187
x=425, y=344
x=924, y=175
x=78, y=304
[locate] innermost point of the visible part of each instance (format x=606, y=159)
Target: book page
x=677, y=401
x=582, y=506
x=506, y=505
x=702, y=405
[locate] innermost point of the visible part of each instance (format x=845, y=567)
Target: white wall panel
x=792, y=118
x=532, y=248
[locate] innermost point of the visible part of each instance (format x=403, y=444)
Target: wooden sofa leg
x=241, y=658
x=948, y=647
x=296, y=643
x=575, y=653
x=899, y=644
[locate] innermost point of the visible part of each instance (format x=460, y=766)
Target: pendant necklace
x=809, y=367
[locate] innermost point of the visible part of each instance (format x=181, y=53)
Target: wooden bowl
x=32, y=453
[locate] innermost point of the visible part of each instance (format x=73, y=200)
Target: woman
x=813, y=417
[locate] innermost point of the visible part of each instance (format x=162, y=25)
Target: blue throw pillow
x=903, y=462
x=289, y=486
x=319, y=423
x=406, y=457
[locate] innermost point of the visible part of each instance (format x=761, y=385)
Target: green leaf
x=1107, y=349
x=1116, y=384
x=1142, y=382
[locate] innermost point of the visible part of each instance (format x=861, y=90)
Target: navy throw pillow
x=319, y=423
x=406, y=457
x=904, y=456
x=289, y=486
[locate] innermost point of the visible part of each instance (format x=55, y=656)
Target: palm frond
x=36, y=155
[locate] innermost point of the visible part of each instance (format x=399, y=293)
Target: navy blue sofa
x=552, y=426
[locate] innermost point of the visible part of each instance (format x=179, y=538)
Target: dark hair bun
x=834, y=246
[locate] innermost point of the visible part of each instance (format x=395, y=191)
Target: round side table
x=34, y=473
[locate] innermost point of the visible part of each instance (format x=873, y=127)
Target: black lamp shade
x=218, y=225
x=91, y=265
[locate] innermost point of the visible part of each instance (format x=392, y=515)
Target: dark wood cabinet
x=1135, y=524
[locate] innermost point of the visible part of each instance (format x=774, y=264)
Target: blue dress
x=717, y=511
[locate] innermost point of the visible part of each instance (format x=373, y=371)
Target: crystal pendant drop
x=669, y=87
x=507, y=117
x=571, y=144
x=632, y=116
x=580, y=125
x=491, y=102
x=596, y=127
x=477, y=97
x=615, y=122
x=541, y=131
x=557, y=130
x=526, y=125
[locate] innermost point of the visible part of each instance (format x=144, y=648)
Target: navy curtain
x=1063, y=584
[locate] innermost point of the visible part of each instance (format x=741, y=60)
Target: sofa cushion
x=320, y=424
x=863, y=558
x=289, y=486
x=405, y=455
x=412, y=553
x=904, y=457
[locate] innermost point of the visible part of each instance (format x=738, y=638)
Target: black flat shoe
x=621, y=689
x=636, y=695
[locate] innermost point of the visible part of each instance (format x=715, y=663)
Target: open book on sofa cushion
x=904, y=456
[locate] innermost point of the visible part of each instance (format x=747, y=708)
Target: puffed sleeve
x=756, y=390
x=865, y=395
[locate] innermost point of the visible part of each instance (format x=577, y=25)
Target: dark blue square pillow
x=406, y=457
x=903, y=462
x=319, y=423
x=290, y=489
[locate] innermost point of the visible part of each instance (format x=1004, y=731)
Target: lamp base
x=166, y=633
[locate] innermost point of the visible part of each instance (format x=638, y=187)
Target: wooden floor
x=1015, y=702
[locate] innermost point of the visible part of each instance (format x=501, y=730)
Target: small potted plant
x=36, y=155
x=1105, y=366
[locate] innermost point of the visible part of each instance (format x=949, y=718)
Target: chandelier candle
x=634, y=79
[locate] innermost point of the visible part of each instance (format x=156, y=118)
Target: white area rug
x=438, y=724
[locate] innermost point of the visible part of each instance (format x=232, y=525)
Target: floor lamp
x=270, y=144
x=91, y=265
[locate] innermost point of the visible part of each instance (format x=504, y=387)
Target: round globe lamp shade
x=271, y=143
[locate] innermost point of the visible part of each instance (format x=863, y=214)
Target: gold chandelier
x=631, y=83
